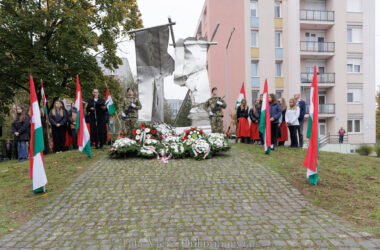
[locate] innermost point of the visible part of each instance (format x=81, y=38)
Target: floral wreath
x=193, y=133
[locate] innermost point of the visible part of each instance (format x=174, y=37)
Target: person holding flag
x=83, y=136
x=37, y=170
x=265, y=123
x=311, y=159
x=111, y=110
x=275, y=114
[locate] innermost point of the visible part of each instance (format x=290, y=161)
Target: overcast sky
x=186, y=15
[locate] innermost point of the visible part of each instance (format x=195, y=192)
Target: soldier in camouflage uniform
x=214, y=107
x=131, y=106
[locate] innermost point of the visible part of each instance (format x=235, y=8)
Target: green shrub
x=364, y=150
x=377, y=149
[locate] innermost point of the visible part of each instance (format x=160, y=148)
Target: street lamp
x=228, y=106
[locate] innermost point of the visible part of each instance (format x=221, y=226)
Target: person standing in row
x=21, y=132
x=283, y=129
x=214, y=107
x=73, y=123
x=291, y=119
x=243, y=124
x=275, y=114
x=96, y=109
x=254, y=115
x=341, y=133
x=302, y=105
x=131, y=106
x=58, y=120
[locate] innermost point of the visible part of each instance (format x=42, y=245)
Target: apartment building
x=282, y=41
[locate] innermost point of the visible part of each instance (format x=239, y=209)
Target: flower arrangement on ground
x=160, y=141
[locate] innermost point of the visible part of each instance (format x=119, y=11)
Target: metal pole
x=227, y=100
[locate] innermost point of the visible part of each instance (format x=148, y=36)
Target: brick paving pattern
x=226, y=202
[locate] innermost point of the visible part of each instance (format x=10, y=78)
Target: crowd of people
x=283, y=118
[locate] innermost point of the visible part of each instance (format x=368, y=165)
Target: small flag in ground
x=83, y=138
x=264, y=125
x=241, y=96
x=109, y=103
x=311, y=159
x=44, y=100
x=36, y=160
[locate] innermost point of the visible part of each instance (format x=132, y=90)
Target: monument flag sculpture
x=153, y=64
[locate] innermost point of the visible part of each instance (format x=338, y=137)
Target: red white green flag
x=36, y=160
x=264, y=125
x=241, y=96
x=109, y=103
x=83, y=139
x=44, y=100
x=311, y=159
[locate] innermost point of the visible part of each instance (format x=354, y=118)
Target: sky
x=186, y=15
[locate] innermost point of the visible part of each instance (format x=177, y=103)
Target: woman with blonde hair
x=291, y=119
x=58, y=120
x=283, y=129
x=21, y=132
x=243, y=124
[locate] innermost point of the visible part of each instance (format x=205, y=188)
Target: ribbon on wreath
x=164, y=159
x=196, y=153
x=143, y=136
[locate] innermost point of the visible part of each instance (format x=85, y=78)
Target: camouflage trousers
x=217, y=124
x=130, y=124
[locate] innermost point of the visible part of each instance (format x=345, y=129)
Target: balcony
x=317, y=50
x=317, y=15
x=325, y=80
x=324, y=110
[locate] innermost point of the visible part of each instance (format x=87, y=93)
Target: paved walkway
x=226, y=202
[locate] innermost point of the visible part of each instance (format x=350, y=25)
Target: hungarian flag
x=36, y=160
x=44, y=100
x=311, y=159
x=109, y=103
x=241, y=96
x=83, y=138
x=264, y=125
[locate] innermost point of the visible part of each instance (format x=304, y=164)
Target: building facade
x=281, y=41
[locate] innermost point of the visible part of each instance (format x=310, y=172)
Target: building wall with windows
x=285, y=39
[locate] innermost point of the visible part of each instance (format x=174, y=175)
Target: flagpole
x=158, y=26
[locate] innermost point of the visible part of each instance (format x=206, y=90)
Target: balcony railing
x=317, y=46
x=328, y=78
x=317, y=15
x=326, y=109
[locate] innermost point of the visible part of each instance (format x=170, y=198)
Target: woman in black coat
x=21, y=131
x=58, y=121
x=97, y=113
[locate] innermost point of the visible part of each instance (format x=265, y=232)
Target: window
x=255, y=96
x=354, y=65
x=354, y=5
x=277, y=10
x=354, y=34
x=279, y=94
x=253, y=8
x=254, y=68
x=278, y=39
x=254, y=39
x=278, y=69
x=354, y=96
x=353, y=126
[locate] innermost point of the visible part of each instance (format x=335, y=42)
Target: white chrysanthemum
x=147, y=130
x=138, y=131
x=137, y=137
x=149, y=136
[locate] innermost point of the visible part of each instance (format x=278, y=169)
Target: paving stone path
x=226, y=202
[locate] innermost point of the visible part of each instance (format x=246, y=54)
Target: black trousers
x=300, y=134
x=274, y=133
x=59, y=138
x=293, y=136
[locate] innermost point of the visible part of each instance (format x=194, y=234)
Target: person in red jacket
x=341, y=133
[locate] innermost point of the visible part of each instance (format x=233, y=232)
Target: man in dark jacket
x=302, y=105
x=96, y=109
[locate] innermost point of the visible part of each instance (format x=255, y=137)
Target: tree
x=378, y=116
x=55, y=40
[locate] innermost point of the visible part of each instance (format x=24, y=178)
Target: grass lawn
x=349, y=185
x=17, y=201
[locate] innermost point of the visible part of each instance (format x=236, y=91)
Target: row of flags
x=37, y=170
x=311, y=159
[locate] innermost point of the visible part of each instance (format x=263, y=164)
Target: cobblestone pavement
x=226, y=202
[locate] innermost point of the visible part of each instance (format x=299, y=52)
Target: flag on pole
x=44, y=100
x=36, y=160
x=241, y=96
x=264, y=125
x=311, y=159
x=83, y=138
x=109, y=102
